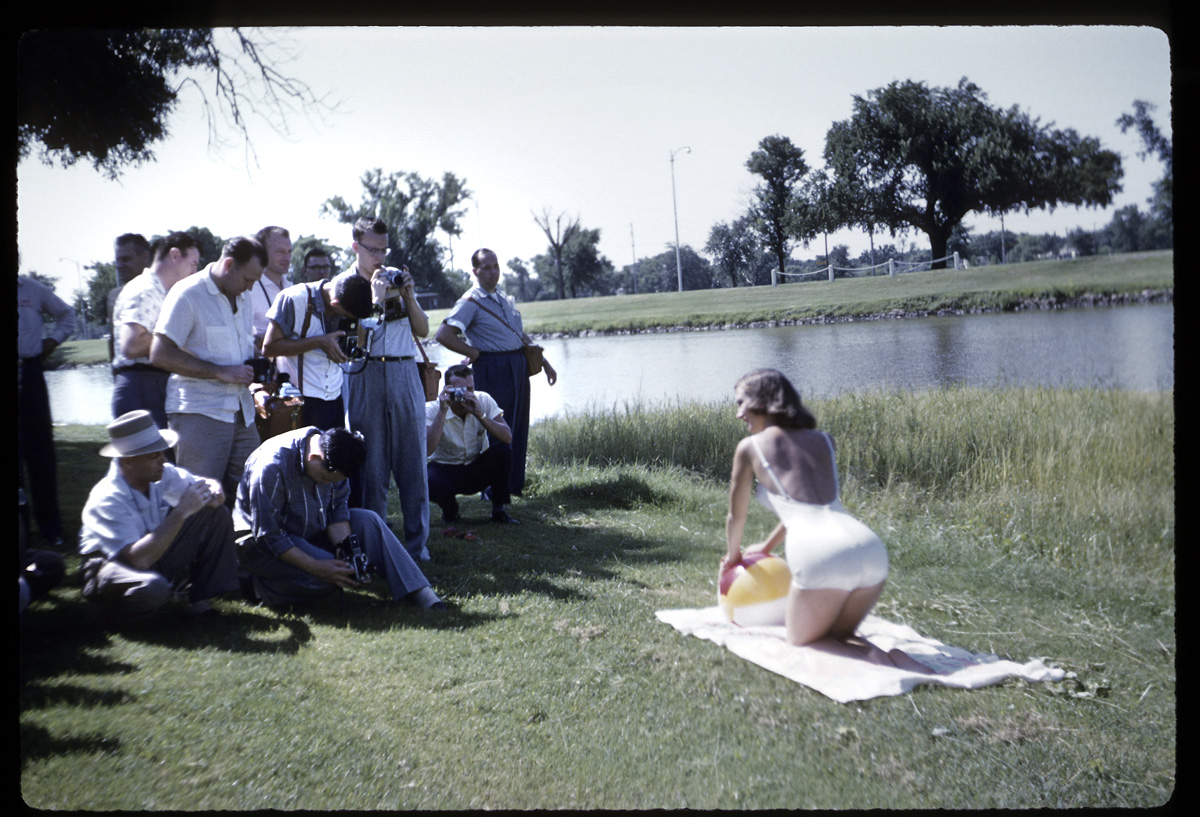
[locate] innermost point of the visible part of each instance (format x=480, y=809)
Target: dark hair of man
x=368, y=224
x=353, y=292
x=458, y=371
x=180, y=240
x=343, y=450
x=315, y=252
x=769, y=392
x=265, y=232
x=137, y=240
x=243, y=248
x=477, y=256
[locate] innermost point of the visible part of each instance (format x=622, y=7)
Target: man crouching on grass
x=150, y=528
x=292, y=519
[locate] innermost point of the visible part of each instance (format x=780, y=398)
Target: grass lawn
x=550, y=684
x=981, y=288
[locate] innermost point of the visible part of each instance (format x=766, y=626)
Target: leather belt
x=392, y=358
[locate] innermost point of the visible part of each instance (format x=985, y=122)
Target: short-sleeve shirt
x=115, y=515
x=198, y=318
x=262, y=296
x=463, y=438
x=140, y=301
x=486, y=332
x=322, y=377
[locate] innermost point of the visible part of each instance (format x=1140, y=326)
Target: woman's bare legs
x=814, y=615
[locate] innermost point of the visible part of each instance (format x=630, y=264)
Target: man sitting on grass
x=462, y=460
x=150, y=527
x=292, y=516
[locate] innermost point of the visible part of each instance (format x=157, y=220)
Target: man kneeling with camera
x=469, y=446
x=297, y=535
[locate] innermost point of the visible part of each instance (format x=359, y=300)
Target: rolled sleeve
x=265, y=509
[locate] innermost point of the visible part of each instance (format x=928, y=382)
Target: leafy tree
x=940, y=153
x=338, y=257
x=781, y=166
x=99, y=285
x=105, y=96
x=558, y=235
x=1157, y=144
x=736, y=253
x=44, y=280
x=526, y=290
x=586, y=267
x=659, y=273
x=413, y=208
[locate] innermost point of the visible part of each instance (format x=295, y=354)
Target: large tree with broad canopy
x=930, y=156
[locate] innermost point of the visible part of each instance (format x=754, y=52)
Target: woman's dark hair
x=768, y=392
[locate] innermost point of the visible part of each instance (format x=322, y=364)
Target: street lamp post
x=675, y=205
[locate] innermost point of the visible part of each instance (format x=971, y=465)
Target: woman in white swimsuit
x=838, y=564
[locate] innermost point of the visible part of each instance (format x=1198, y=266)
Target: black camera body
x=348, y=342
x=458, y=394
x=264, y=369
x=351, y=551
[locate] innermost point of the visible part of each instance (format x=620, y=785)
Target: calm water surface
x=1127, y=347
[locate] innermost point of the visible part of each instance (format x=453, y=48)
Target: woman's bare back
x=803, y=462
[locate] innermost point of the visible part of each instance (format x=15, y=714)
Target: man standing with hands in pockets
x=485, y=327
x=385, y=398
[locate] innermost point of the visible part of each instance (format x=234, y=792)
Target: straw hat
x=135, y=433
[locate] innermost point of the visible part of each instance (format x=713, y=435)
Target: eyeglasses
x=319, y=267
x=376, y=251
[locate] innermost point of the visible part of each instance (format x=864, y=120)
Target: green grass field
x=550, y=684
x=982, y=288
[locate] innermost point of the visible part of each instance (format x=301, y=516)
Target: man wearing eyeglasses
x=385, y=398
x=317, y=265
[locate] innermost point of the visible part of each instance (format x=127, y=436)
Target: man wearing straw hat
x=150, y=528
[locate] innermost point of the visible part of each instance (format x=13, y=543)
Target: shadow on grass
x=38, y=743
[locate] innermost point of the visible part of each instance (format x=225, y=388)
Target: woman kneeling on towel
x=838, y=564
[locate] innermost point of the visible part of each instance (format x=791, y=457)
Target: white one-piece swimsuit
x=825, y=546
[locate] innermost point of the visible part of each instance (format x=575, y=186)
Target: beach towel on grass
x=846, y=677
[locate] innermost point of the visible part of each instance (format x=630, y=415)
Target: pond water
x=1126, y=347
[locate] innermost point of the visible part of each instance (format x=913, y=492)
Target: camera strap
x=308, y=313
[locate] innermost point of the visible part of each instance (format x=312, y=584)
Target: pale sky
x=583, y=120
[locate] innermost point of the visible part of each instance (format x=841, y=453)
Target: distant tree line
x=910, y=159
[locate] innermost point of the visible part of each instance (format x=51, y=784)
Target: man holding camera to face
x=303, y=337
x=385, y=396
x=462, y=460
x=205, y=338
x=296, y=533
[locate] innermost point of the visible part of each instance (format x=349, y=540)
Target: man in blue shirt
x=292, y=515
x=486, y=328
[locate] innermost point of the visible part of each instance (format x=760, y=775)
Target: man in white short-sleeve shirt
x=461, y=458
x=204, y=336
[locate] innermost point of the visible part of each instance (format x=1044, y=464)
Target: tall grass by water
x=1083, y=476
x=1021, y=522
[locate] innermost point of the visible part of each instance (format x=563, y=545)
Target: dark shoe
x=450, y=515
x=246, y=584
x=501, y=518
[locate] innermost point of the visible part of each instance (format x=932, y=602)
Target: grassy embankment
x=983, y=288
x=1024, y=522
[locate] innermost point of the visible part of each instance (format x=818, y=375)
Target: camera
x=264, y=369
x=458, y=394
x=350, y=550
x=349, y=342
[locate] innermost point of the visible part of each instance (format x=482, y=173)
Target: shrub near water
x=1074, y=476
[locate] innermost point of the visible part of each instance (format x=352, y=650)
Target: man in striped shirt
x=292, y=516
